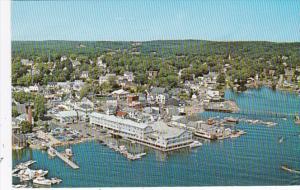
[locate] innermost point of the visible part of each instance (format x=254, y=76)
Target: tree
x=25, y=126
x=15, y=112
x=39, y=107
x=85, y=91
x=221, y=78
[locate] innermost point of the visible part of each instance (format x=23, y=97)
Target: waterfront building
x=68, y=117
x=168, y=138
x=156, y=135
x=124, y=127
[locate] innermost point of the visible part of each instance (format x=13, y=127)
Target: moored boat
x=55, y=180
x=42, y=181
x=69, y=152
x=195, y=144
x=51, y=152
x=231, y=120
x=19, y=186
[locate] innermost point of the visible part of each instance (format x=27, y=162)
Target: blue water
x=252, y=159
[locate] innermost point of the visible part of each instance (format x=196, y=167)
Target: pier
x=267, y=113
x=66, y=160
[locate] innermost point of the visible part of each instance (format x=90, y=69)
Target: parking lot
x=86, y=130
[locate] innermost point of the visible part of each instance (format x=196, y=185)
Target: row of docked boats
x=25, y=174
x=123, y=150
x=260, y=122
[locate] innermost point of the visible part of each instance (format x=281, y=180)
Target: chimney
x=29, y=115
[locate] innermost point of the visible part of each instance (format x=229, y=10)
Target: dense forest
x=192, y=57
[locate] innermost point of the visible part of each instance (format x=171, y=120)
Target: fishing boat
x=42, y=181
x=195, y=144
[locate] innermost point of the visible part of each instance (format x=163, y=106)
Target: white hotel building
x=155, y=135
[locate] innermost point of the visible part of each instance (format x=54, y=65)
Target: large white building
x=124, y=127
x=156, y=135
x=68, y=117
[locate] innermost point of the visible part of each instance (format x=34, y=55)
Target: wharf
x=66, y=160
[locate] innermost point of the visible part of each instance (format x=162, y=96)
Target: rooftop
x=119, y=120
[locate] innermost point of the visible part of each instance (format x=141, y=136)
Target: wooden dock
x=66, y=160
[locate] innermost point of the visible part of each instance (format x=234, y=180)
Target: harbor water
x=252, y=159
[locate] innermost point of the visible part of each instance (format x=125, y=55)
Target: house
x=103, y=79
x=26, y=62
x=152, y=74
x=77, y=85
x=84, y=75
x=161, y=98
x=100, y=62
x=34, y=88
x=128, y=76
x=52, y=85
x=63, y=58
x=288, y=74
x=157, y=90
x=120, y=94
x=75, y=63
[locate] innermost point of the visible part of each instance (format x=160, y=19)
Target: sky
x=144, y=20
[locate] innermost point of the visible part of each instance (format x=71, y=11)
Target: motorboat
x=23, y=166
x=195, y=144
x=69, y=152
x=42, y=181
x=55, y=180
x=51, y=152
x=40, y=173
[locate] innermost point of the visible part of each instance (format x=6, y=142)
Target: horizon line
x=221, y=41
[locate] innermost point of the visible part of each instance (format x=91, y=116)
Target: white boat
x=23, y=166
x=40, y=173
x=69, y=152
x=42, y=181
x=195, y=144
x=55, y=180
x=51, y=152
x=231, y=119
x=280, y=140
x=19, y=186
x=26, y=175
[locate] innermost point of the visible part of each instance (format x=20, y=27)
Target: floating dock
x=66, y=160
